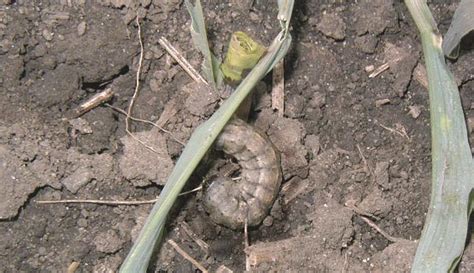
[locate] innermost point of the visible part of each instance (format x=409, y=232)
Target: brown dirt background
x=345, y=138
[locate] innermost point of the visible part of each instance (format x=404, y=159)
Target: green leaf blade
x=442, y=241
x=210, y=64
x=462, y=24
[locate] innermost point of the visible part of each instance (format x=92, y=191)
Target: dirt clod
x=333, y=26
x=108, y=241
x=142, y=166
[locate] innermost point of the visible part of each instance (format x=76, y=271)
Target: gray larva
x=230, y=202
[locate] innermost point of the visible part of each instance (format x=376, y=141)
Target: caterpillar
x=232, y=203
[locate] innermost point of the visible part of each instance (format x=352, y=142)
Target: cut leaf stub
x=243, y=54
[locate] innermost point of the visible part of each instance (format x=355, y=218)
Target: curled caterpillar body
x=230, y=202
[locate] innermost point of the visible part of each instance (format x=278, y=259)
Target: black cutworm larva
x=230, y=202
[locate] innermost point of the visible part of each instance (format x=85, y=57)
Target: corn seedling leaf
x=444, y=234
x=462, y=24
x=210, y=64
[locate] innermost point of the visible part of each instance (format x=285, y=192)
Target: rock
x=81, y=28
x=332, y=26
x=318, y=100
x=155, y=85
x=369, y=68
x=415, y=111
x=47, y=35
x=467, y=260
x=81, y=125
x=381, y=102
x=78, y=179
x=470, y=124
x=145, y=3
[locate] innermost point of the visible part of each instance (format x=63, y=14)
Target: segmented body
x=230, y=202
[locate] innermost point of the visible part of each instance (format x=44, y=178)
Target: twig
x=366, y=165
x=93, y=102
x=363, y=215
x=379, y=230
x=135, y=93
x=187, y=256
x=401, y=130
x=203, y=245
x=181, y=60
x=346, y=264
x=137, y=84
x=278, y=90
x=379, y=70
x=350, y=204
x=99, y=202
x=110, y=202
x=146, y=121
x=223, y=269
x=191, y=191
x=246, y=239
x=384, y=67
x=73, y=267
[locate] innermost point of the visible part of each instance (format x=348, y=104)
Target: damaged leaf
x=462, y=25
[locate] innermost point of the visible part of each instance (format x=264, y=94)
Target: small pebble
x=81, y=28
x=154, y=85
x=415, y=111
x=381, y=102
x=145, y=3
x=42, y=251
x=268, y=221
x=82, y=222
x=369, y=68
x=470, y=125
x=47, y=35
x=318, y=100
